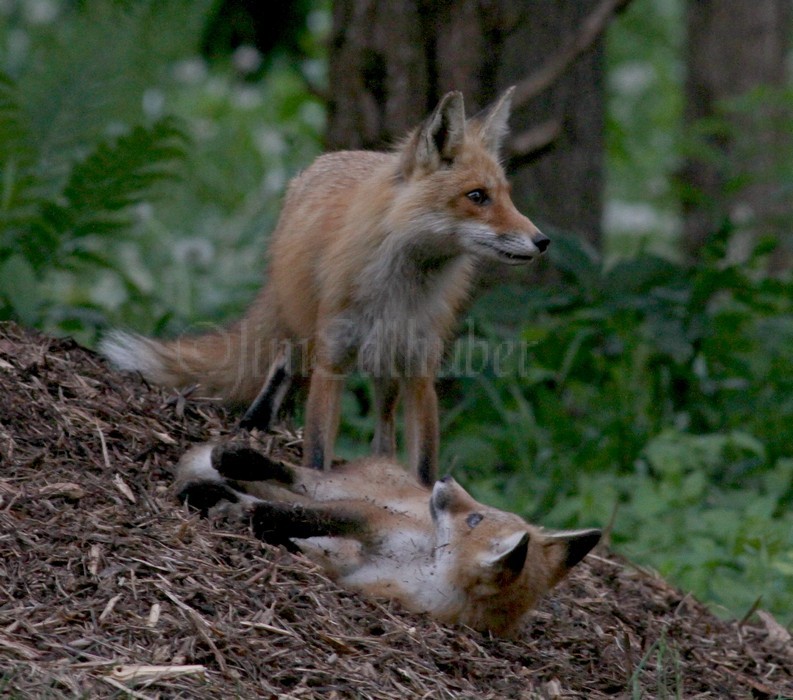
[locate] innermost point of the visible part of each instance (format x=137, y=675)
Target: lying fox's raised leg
x=386, y=395
x=322, y=417
x=278, y=523
x=421, y=428
x=239, y=462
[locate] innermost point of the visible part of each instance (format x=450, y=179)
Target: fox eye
x=474, y=519
x=478, y=197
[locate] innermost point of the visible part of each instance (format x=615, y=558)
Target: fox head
x=454, y=186
x=500, y=564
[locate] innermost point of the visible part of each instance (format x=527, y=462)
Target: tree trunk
x=734, y=48
x=391, y=60
x=564, y=185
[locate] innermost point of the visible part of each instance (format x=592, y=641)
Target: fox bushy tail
x=231, y=363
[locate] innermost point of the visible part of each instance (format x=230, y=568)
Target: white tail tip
x=131, y=353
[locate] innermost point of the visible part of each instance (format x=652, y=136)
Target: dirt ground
x=110, y=588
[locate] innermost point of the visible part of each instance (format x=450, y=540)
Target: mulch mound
x=110, y=588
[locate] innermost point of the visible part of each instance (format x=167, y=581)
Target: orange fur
x=371, y=260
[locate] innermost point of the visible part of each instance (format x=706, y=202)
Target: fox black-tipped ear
x=579, y=545
x=495, y=122
x=510, y=562
x=565, y=549
x=441, y=136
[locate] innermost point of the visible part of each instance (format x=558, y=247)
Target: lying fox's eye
x=478, y=197
x=474, y=519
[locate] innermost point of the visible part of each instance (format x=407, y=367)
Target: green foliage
x=664, y=659
x=138, y=184
x=645, y=59
x=42, y=231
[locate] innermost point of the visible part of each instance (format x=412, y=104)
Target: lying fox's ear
x=510, y=561
x=495, y=122
x=569, y=548
x=579, y=544
x=441, y=136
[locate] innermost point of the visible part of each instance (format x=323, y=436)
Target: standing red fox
x=376, y=530
x=372, y=258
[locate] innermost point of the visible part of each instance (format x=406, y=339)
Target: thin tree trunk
x=564, y=186
x=734, y=48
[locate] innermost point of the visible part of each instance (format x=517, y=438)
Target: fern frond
x=100, y=189
x=13, y=132
x=120, y=173
x=96, y=198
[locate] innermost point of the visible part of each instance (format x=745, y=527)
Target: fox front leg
x=421, y=428
x=322, y=417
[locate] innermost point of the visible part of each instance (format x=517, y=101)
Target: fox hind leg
x=279, y=523
x=205, y=495
x=238, y=462
x=264, y=409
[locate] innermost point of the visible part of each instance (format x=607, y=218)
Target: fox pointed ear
x=441, y=137
x=571, y=547
x=495, y=122
x=510, y=562
x=579, y=545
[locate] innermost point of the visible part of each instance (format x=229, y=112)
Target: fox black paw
x=204, y=495
x=243, y=463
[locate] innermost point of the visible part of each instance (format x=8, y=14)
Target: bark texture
x=734, y=48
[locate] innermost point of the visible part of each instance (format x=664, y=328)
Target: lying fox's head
x=451, y=172
x=500, y=564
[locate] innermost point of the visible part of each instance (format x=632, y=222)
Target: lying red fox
x=376, y=530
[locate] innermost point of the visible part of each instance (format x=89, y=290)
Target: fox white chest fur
x=399, y=315
x=406, y=565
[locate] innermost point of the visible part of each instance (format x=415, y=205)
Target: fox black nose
x=542, y=241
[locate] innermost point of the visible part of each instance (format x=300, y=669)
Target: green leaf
x=19, y=289
x=640, y=275
x=13, y=134
x=118, y=174
x=576, y=259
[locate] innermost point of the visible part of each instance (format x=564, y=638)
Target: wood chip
x=164, y=437
x=121, y=485
x=137, y=674
x=63, y=489
x=154, y=615
x=776, y=632
x=109, y=607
